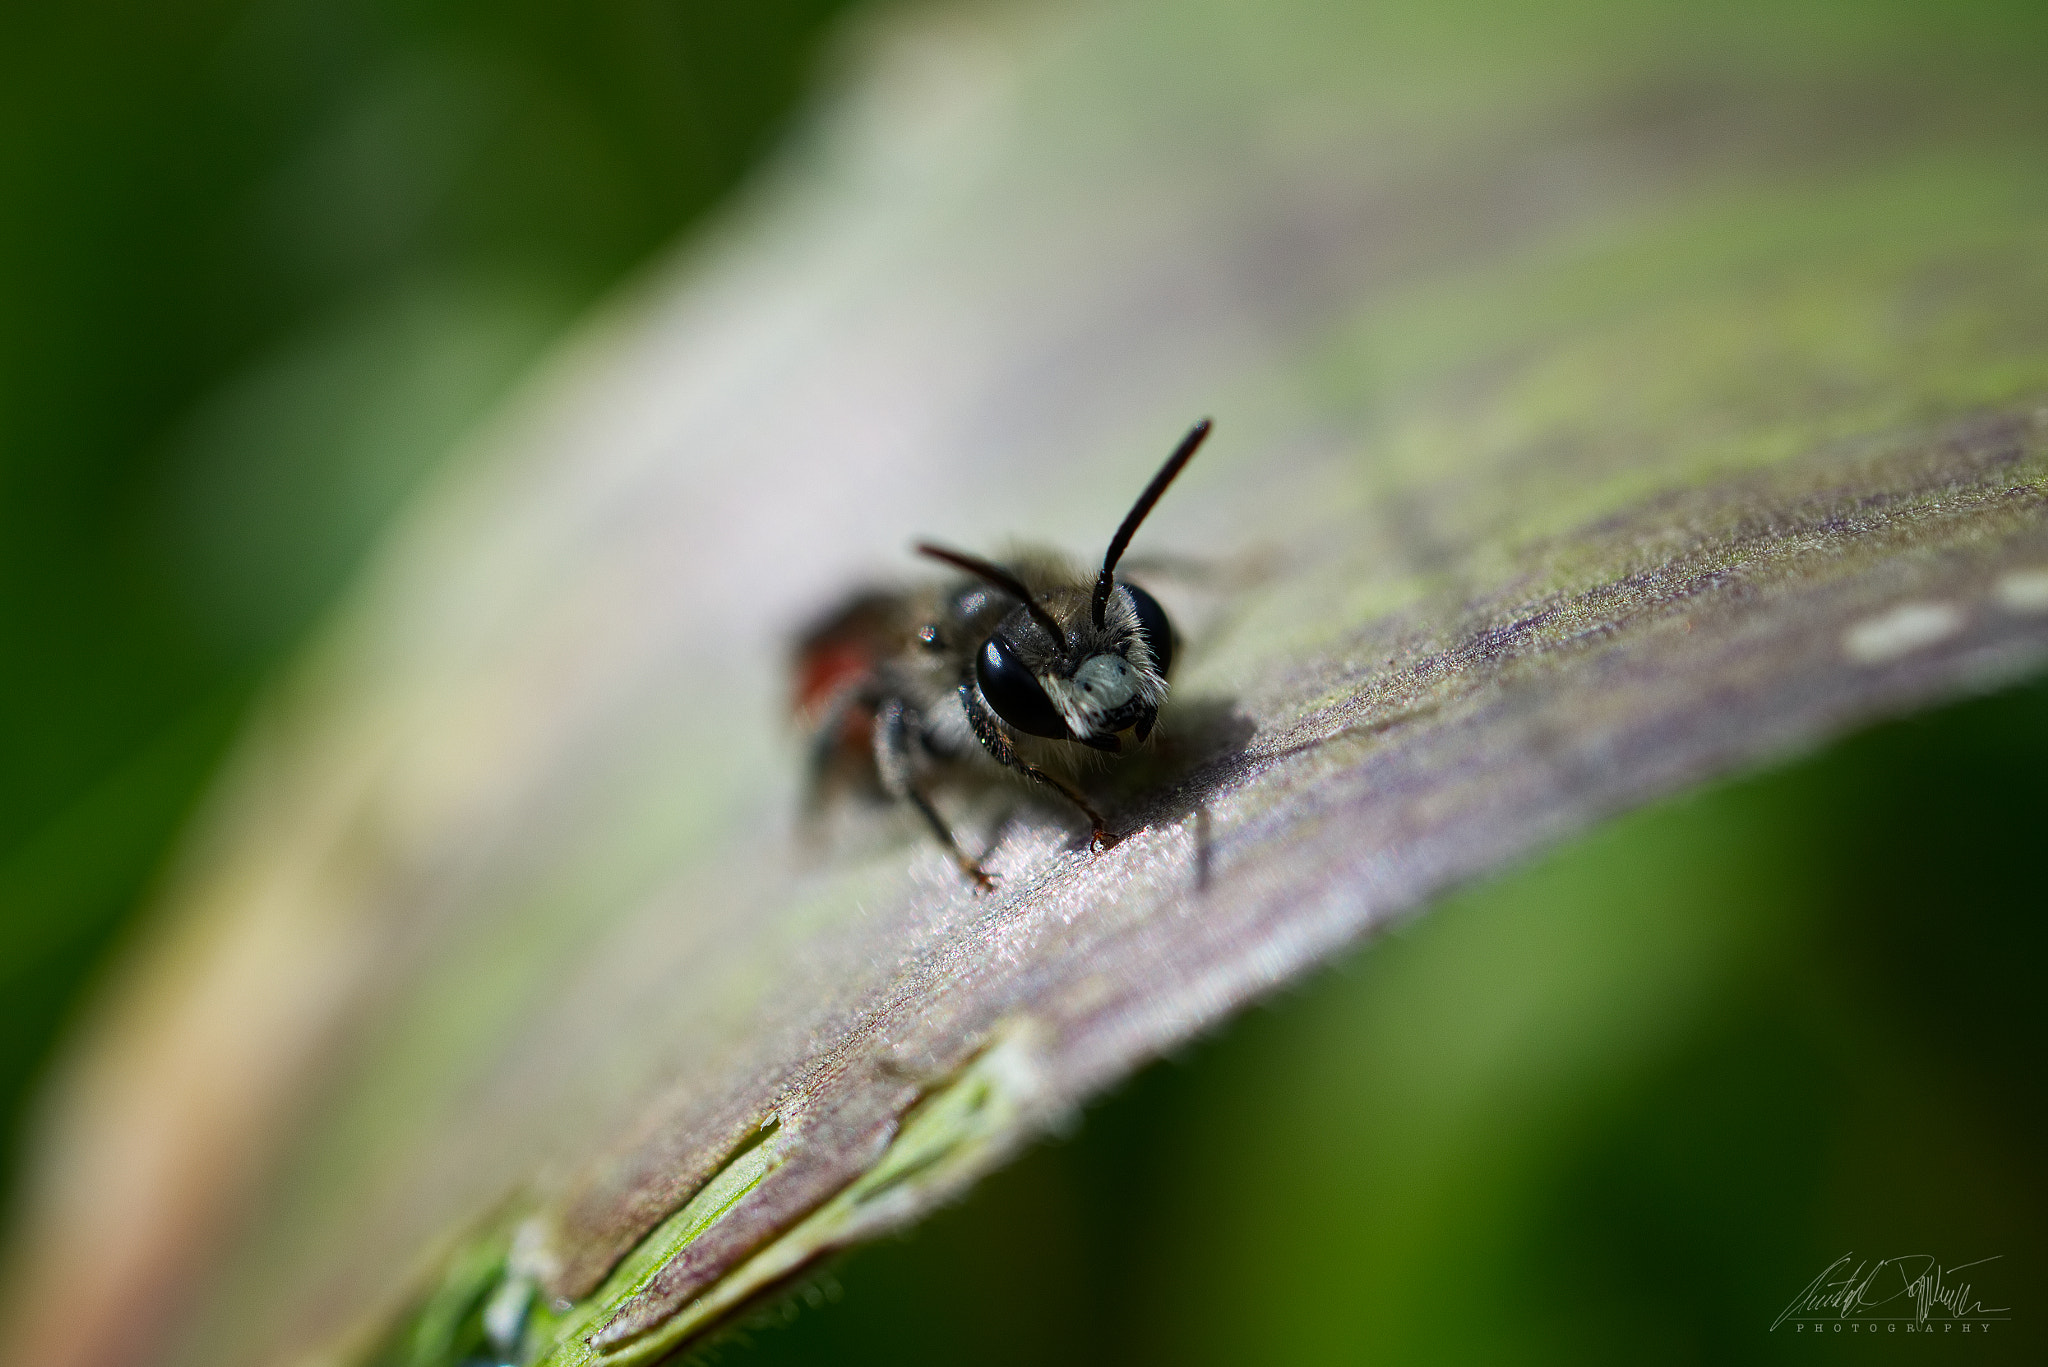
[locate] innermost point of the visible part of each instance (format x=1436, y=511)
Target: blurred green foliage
x=1619, y=1106
x=260, y=265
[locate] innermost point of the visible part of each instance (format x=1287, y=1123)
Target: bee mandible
x=1017, y=661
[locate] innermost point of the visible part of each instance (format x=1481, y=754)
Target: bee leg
x=892, y=765
x=993, y=739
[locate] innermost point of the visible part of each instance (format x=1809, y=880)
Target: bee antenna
x=995, y=574
x=1106, y=581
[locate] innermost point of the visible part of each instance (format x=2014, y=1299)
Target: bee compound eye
x=1014, y=692
x=1152, y=622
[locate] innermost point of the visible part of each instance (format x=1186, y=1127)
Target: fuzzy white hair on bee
x=1117, y=687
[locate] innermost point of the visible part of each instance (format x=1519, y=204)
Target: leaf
x=1604, y=402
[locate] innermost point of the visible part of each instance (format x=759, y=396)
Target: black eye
x=1014, y=693
x=1152, y=621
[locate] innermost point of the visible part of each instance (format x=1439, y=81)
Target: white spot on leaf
x=1901, y=631
x=2023, y=591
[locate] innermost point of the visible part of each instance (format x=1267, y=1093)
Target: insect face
x=1088, y=687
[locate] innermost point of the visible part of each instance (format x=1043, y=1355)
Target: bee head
x=1068, y=663
x=1088, y=683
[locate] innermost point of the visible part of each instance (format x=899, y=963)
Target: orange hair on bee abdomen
x=841, y=651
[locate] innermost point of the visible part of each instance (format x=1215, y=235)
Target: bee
x=1014, y=662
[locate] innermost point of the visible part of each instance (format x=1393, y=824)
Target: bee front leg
x=892, y=765
x=996, y=741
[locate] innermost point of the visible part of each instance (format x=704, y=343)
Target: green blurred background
x=262, y=264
